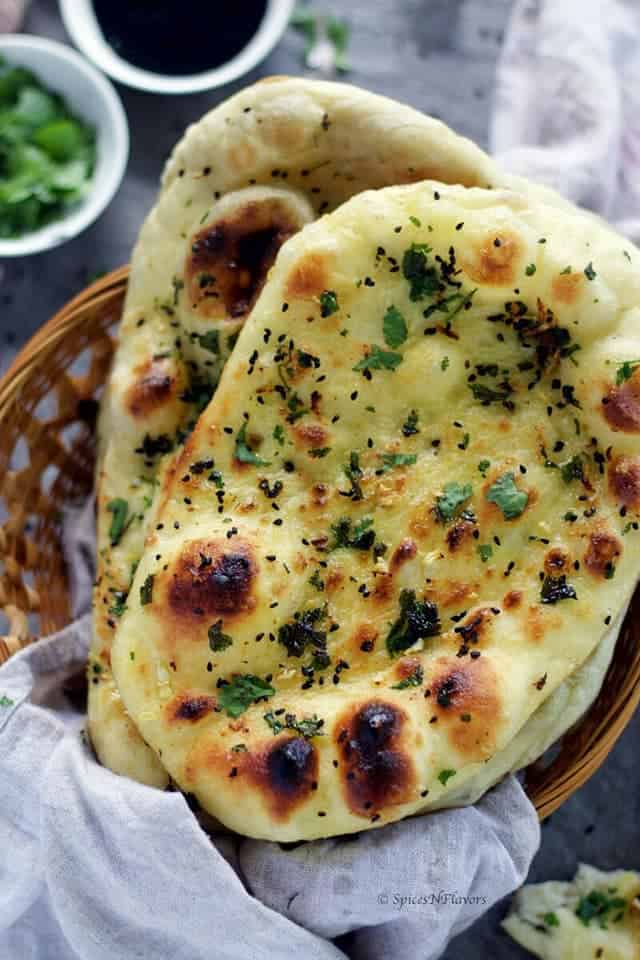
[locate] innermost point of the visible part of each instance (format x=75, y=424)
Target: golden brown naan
x=407, y=517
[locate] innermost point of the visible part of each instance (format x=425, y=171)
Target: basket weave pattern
x=48, y=406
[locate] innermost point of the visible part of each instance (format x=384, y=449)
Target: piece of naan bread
x=596, y=917
x=244, y=179
x=417, y=518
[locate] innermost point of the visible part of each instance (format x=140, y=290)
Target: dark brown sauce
x=178, y=37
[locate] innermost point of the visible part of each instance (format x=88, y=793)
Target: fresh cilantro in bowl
x=47, y=154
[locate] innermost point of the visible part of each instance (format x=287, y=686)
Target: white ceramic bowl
x=83, y=28
x=94, y=99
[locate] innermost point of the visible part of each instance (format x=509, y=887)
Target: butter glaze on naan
x=431, y=444
x=240, y=183
x=338, y=499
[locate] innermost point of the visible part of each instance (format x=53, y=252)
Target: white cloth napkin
x=96, y=866
x=567, y=103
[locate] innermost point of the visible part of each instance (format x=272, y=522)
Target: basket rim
x=547, y=793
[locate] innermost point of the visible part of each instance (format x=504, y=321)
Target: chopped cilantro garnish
x=210, y=341
x=410, y=426
x=301, y=632
x=626, y=370
x=551, y=920
x=316, y=581
x=565, y=271
x=119, y=508
x=242, y=452
x=424, y=280
x=415, y=221
x=237, y=695
x=354, y=474
x=361, y=537
x=444, y=363
x=487, y=395
x=418, y=619
x=217, y=639
x=445, y=775
x=394, y=328
x=146, y=590
x=307, y=728
x=451, y=499
x=599, y=906
x=328, y=303
x=378, y=359
x=391, y=460
x=319, y=452
x=530, y=269
x=414, y=679
x=119, y=604
x=589, y=272
x=278, y=434
x=573, y=469
x=483, y=466
x=485, y=551
x=6, y=701
x=506, y=495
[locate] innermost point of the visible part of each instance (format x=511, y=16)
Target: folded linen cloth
x=96, y=866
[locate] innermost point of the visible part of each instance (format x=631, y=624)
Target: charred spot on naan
x=211, y=579
x=376, y=769
x=230, y=258
x=621, y=405
x=602, y=553
x=465, y=699
x=190, y=707
x=284, y=773
x=308, y=278
x=567, y=287
x=156, y=384
x=496, y=261
x=624, y=481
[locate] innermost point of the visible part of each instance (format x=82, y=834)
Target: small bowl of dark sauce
x=177, y=46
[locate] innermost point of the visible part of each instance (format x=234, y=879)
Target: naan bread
x=244, y=179
x=427, y=440
x=595, y=916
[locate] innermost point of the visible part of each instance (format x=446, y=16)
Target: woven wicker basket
x=48, y=405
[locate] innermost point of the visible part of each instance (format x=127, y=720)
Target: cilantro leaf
x=308, y=728
x=451, y=499
x=530, y=269
x=551, y=919
x=589, y=272
x=146, y=590
x=445, y=775
x=626, y=370
x=361, y=537
x=573, y=469
x=394, y=328
x=485, y=551
x=119, y=509
x=598, y=905
x=483, y=466
x=391, y=460
x=506, y=495
x=418, y=620
x=278, y=434
x=353, y=472
x=217, y=639
x=487, y=395
x=6, y=701
x=237, y=696
x=378, y=359
x=423, y=278
x=210, y=341
x=328, y=303
x=242, y=452
x=410, y=426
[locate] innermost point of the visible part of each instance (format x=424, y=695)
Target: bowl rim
x=82, y=26
x=101, y=192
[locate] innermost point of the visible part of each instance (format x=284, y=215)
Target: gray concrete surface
x=438, y=55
